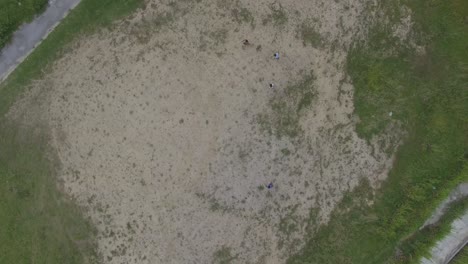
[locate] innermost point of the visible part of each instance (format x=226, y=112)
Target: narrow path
x=30, y=35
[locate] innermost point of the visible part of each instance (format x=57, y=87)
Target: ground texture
x=167, y=132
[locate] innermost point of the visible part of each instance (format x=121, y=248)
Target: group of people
x=271, y=85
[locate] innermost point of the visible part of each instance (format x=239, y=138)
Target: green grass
x=38, y=223
x=428, y=94
x=14, y=13
x=418, y=244
x=461, y=257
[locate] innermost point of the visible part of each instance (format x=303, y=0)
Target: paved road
x=28, y=36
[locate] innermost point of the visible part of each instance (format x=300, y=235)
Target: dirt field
x=168, y=133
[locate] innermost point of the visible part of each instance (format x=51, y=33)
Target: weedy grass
x=418, y=244
x=427, y=92
x=39, y=224
x=310, y=36
x=461, y=257
x=278, y=16
x=287, y=107
x=223, y=256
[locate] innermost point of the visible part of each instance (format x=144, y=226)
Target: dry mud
x=155, y=122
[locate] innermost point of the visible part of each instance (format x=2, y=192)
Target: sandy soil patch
x=157, y=127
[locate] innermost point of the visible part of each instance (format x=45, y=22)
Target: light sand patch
x=156, y=126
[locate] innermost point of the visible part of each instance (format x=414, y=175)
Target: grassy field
x=13, y=13
x=39, y=224
x=428, y=94
x=420, y=242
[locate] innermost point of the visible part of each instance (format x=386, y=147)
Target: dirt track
x=157, y=130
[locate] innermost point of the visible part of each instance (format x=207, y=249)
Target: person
x=246, y=42
x=272, y=85
x=276, y=56
x=270, y=185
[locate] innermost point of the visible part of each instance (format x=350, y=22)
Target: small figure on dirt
x=272, y=85
x=276, y=56
x=270, y=185
x=246, y=42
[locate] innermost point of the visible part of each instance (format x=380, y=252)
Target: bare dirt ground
x=156, y=125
